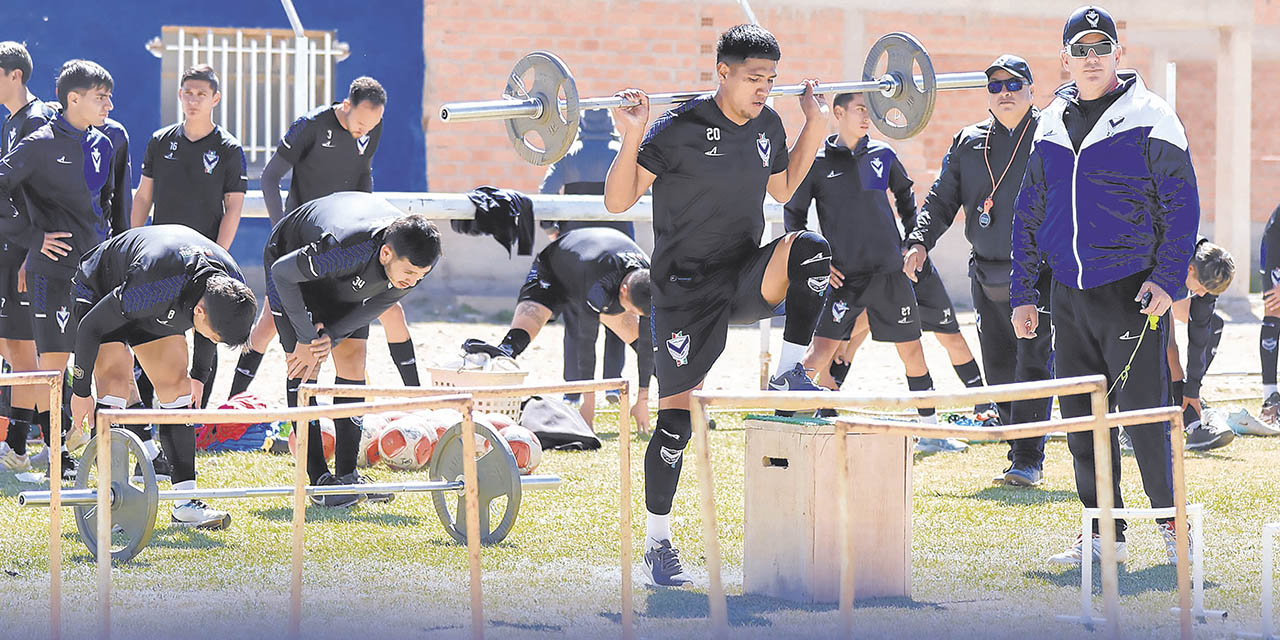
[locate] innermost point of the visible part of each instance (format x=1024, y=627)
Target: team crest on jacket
x=13, y=135
x=62, y=316
x=97, y=160
x=762, y=147
x=362, y=144
x=877, y=166
x=678, y=347
x=210, y=161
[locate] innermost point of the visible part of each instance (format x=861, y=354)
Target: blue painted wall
x=385, y=39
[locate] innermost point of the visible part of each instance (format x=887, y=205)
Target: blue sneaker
x=795, y=379
x=1021, y=475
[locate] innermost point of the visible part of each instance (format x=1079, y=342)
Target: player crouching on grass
x=142, y=290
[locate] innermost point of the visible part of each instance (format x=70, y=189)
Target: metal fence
x=268, y=77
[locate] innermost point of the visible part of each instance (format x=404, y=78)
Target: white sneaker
x=1170, y=542
x=13, y=462
x=1073, y=554
x=41, y=459
x=195, y=513
x=940, y=445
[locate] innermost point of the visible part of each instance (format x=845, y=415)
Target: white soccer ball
x=407, y=443
x=526, y=447
x=371, y=428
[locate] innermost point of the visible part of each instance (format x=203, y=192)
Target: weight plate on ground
x=498, y=477
x=550, y=76
x=133, y=507
x=913, y=102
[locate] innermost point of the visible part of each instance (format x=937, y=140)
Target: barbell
x=899, y=100
x=134, y=506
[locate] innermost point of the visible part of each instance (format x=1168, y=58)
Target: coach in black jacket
x=982, y=173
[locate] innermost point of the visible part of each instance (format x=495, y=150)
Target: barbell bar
x=524, y=103
x=134, y=508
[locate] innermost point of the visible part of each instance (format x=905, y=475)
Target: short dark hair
x=747, y=41
x=81, y=75
x=843, y=100
x=366, y=89
x=200, y=72
x=1214, y=267
x=232, y=308
x=14, y=55
x=640, y=289
x=416, y=238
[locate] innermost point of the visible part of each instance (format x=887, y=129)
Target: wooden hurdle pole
x=844, y=514
x=717, y=603
x=1106, y=502
x=110, y=417
x=1181, y=530
x=307, y=391
x=54, y=381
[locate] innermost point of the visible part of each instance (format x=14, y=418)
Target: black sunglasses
x=1103, y=48
x=1012, y=84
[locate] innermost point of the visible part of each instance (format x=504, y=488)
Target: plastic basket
x=475, y=378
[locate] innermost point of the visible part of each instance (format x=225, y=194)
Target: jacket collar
x=835, y=148
x=998, y=127
x=1128, y=79
x=61, y=124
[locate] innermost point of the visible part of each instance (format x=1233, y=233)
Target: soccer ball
x=326, y=435
x=526, y=447
x=497, y=420
x=441, y=420
x=371, y=429
x=407, y=443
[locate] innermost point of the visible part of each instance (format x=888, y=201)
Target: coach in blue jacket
x=1109, y=199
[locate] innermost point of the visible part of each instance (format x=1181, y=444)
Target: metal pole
x=532, y=107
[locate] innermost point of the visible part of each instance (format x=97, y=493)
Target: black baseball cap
x=1013, y=64
x=1086, y=20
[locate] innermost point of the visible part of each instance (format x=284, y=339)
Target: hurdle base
x=1255, y=634
x=1202, y=616
x=1088, y=621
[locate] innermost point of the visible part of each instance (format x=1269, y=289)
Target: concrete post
x=1233, y=155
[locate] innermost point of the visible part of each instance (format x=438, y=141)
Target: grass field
x=979, y=558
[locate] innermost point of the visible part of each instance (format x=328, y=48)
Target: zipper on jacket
x=1075, y=224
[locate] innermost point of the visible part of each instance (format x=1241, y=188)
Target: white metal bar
x=327, y=71
x=312, y=85
x=252, y=141
x=209, y=47
x=266, y=101
x=223, y=70
x=240, y=85
x=1171, y=84
x=301, y=96
x=1269, y=532
x=293, y=17
x=284, y=79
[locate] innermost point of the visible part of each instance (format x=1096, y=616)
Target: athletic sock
x=791, y=355
x=179, y=442
x=921, y=383
x=406, y=362
x=1267, y=340
x=657, y=528
x=19, y=425
x=246, y=369
x=515, y=342
x=808, y=273
x=971, y=376
x=839, y=371
x=346, y=435
x=317, y=464
x=663, y=459
x=1267, y=390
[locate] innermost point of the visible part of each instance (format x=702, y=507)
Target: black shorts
x=15, y=311
x=132, y=334
x=937, y=314
x=886, y=297
x=321, y=308
x=53, y=321
x=540, y=286
x=692, y=314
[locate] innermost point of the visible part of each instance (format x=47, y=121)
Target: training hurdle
x=308, y=391
x=1099, y=422
x=1269, y=533
x=52, y=379
x=107, y=418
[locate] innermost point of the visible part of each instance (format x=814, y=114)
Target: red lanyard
x=986, y=149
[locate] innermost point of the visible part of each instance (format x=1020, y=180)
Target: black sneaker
x=69, y=466
x=356, y=478
x=662, y=566
x=826, y=413
x=160, y=466
x=1206, y=433
x=335, y=501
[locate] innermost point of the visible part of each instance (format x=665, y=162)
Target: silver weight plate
x=542, y=76
x=912, y=103
x=133, y=507
x=498, y=476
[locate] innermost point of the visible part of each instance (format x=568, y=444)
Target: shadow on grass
x=748, y=610
x=323, y=514
x=1020, y=495
x=522, y=626
x=1160, y=578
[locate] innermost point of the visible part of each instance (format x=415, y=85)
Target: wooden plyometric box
x=791, y=525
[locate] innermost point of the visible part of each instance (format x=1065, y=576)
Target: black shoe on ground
x=161, y=467
x=826, y=413
x=356, y=478
x=663, y=568
x=69, y=466
x=336, y=501
x=1204, y=433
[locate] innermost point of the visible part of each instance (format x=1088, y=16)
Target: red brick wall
x=665, y=46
